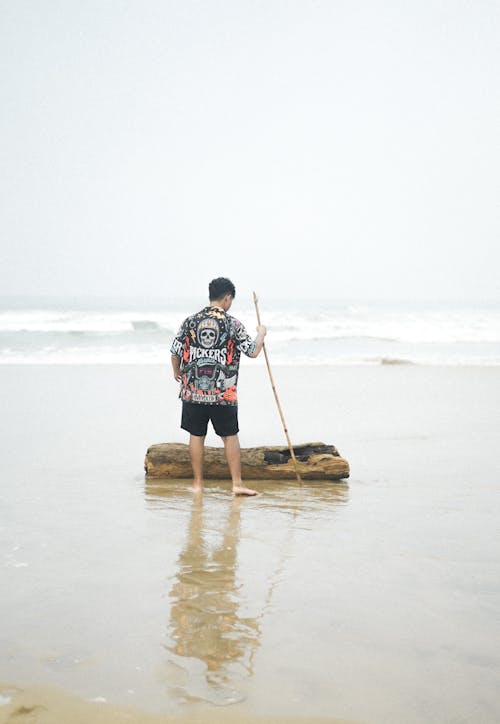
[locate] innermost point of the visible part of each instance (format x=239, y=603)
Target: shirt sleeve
x=178, y=342
x=242, y=339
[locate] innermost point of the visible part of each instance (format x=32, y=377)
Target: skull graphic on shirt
x=208, y=333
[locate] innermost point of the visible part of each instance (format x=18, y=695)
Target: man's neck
x=216, y=305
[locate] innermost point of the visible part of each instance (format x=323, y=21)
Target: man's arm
x=176, y=350
x=176, y=366
x=259, y=340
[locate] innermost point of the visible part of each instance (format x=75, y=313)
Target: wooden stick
x=294, y=459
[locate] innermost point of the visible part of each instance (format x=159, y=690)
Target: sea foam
x=308, y=334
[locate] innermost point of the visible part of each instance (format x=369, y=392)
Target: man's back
x=210, y=344
x=205, y=359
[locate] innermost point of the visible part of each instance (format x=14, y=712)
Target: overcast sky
x=345, y=150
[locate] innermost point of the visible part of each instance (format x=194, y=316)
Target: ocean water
x=86, y=331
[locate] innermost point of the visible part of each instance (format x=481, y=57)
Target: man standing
x=205, y=359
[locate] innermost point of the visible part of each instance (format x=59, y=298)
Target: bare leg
x=196, y=452
x=233, y=457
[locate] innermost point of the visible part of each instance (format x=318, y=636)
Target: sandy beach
x=374, y=600
x=46, y=705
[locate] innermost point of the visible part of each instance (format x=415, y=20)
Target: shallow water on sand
x=373, y=600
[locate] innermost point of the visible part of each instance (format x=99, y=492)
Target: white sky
x=344, y=150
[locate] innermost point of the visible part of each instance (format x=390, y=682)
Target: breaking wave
x=335, y=335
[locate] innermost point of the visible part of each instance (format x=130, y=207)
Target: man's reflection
x=204, y=620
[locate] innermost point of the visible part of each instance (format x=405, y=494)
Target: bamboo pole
x=294, y=459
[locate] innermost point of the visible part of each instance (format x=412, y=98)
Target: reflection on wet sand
x=204, y=619
x=211, y=642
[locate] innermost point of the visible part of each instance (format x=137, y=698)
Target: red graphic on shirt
x=230, y=351
x=185, y=355
x=230, y=394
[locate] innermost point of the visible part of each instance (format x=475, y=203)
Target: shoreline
x=258, y=363
x=53, y=705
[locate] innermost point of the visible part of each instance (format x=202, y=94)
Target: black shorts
x=195, y=417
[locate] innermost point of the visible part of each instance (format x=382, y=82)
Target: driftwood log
x=316, y=461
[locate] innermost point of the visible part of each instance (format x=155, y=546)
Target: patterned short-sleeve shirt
x=209, y=344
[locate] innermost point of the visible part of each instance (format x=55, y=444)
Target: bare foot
x=244, y=491
x=197, y=489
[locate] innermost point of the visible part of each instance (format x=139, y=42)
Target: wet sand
x=47, y=705
x=374, y=600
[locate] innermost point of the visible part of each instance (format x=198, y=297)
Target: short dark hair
x=219, y=287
